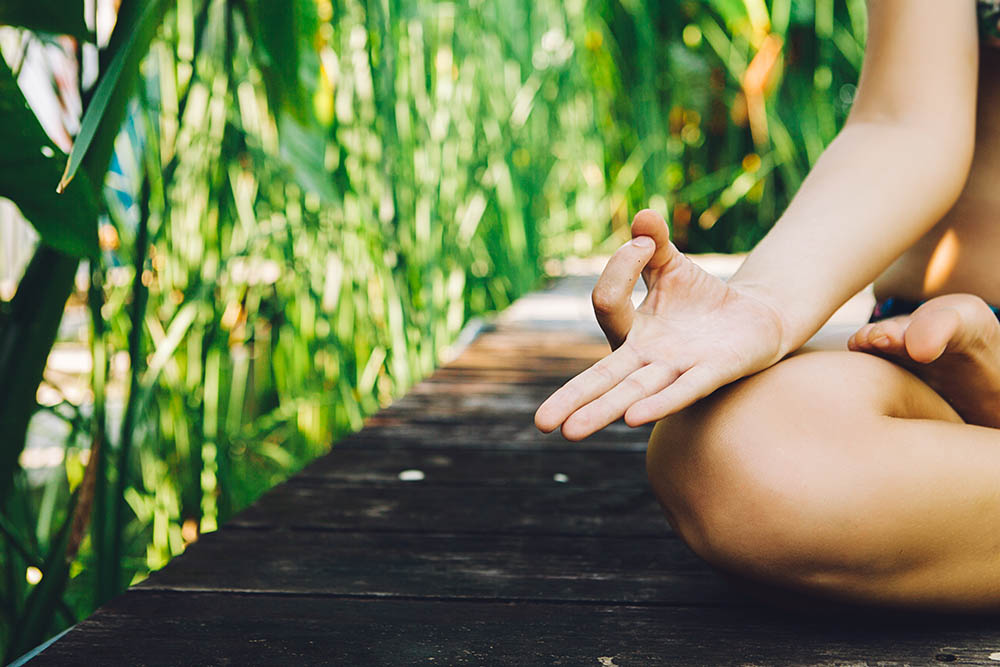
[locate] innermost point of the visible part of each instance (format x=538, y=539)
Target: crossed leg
x=839, y=474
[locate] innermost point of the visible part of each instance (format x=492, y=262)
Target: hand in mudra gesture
x=692, y=334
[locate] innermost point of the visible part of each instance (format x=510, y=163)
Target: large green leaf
x=28, y=327
x=29, y=171
x=55, y=16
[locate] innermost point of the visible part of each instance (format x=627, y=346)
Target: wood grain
x=559, y=509
x=175, y=628
x=444, y=565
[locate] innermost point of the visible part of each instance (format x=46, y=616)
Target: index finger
x=585, y=387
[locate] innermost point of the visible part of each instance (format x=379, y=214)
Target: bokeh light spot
x=691, y=36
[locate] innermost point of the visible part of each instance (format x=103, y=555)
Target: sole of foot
x=952, y=343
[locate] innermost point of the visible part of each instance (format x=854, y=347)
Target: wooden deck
x=507, y=547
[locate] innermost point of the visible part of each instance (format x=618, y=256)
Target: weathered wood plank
x=475, y=398
x=428, y=565
x=513, y=374
x=167, y=628
x=476, y=467
x=388, y=431
x=566, y=343
x=560, y=509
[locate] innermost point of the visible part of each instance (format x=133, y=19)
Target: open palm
x=692, y=334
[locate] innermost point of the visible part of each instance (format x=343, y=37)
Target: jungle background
x=276, y=216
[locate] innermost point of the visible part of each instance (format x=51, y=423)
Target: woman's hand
x=692, y=334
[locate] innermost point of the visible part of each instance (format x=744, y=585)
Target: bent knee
x=727, y=489
x=754, y=477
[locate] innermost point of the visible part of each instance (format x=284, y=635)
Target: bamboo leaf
x=111, y=85
x=303, y=150
x=730, y=10
x=137, y=24
x=274, y=26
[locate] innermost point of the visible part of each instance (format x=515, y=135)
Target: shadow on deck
x=449, y=531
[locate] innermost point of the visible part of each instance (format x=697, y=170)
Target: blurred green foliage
x=309, y=199
x=720, y=108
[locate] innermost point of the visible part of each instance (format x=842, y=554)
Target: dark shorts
x=892, y=307
x=988, y=12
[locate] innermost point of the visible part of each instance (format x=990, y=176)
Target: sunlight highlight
x=942, y=262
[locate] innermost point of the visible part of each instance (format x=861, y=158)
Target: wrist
x=775, y=312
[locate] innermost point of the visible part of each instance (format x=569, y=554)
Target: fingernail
x=643, y=242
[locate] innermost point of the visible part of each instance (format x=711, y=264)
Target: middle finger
x=585, y=387
x=611, y=405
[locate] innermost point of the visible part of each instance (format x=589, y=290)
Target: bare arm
x=898, y=165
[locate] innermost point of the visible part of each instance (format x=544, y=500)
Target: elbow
x=940, y=165
x=951, y=152
x=933, y=157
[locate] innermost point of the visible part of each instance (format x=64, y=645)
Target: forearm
x=875, y=191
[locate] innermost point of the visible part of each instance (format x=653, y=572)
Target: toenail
x=881, y=341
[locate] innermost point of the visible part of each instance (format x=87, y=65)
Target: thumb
x=648, y=222
x=612, y=295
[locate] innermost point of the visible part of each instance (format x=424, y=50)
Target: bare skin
x=952, y=343
x=959, y=254
x=869, y=472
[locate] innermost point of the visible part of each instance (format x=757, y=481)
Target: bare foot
x=952, y=343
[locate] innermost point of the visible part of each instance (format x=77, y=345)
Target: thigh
x=836, y=471
x=816, y=391
x=801, y=442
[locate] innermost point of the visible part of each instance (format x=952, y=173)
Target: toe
x=884, y=336
x=887, y=335
x=877, y=336
x=930, y=332
x=859, y=339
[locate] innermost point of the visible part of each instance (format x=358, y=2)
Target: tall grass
x=721, y=108
x=290, y=242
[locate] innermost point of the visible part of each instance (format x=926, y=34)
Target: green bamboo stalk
x=104, y=498
x=137, y=313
